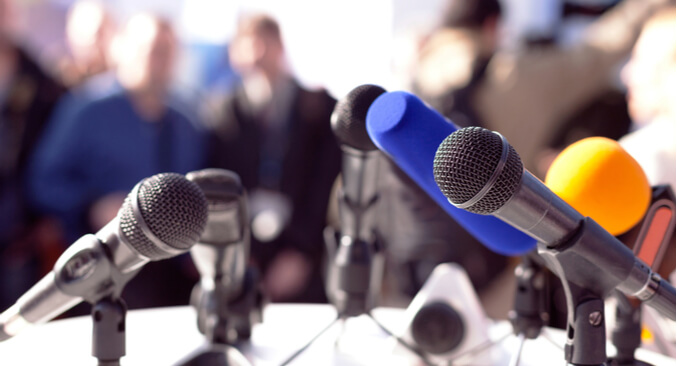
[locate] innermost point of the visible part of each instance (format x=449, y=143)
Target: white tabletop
x=166, y=336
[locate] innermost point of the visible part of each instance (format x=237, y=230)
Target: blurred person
x=89, y=71
x=651, y=80
x=276, y=135
x=453, y=60
x=27, y=97
x=526, y=94
x=82, y=171
x=90, y=30
x=604, y=115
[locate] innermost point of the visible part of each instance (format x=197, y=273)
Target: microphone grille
x=226, y=205
x=174, y=210
x=217, y=184
x=464, y=164
x=349, y=119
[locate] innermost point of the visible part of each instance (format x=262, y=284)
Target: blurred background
x=351, y=42
x=79, y=79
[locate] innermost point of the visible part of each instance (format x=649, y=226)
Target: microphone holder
x=227, y=321
x=586, y=333
x=627, y=333
x=108, y=336
x=529, y=314
x=586, y=338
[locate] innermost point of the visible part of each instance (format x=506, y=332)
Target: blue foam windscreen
x=410, y=132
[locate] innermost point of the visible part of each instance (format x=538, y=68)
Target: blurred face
x=252, y=50
x=245, y=51
x=160, y=56
x=89, y=32
x=650, y=74
x=148, y=56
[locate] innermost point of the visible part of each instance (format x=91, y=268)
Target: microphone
x=351, y=274
x=222, y=252
x=478, y=171
x=221, y=255
x=616, y=193
x=409, y=132
x=163, y=216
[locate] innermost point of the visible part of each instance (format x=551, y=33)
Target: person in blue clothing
x=85, y=166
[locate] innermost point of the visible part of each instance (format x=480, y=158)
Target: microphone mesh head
x=464, y=164
x=216, y=184
x=349, y=120
x=174, y=210
x=226, y=205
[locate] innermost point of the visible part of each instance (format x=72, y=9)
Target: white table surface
x=164, y=336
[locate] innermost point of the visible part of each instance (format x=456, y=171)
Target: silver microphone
x=222, y=254
x=354, y=273
x=163, y=216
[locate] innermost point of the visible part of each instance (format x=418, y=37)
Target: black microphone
x=163, y=216
x=477, y=170
x=222, y=253
x=350, y=274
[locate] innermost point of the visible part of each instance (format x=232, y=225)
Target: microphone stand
x=528, y=315
x=353, y=278
x=363, y=254
x=225, y=322
x=627, y=333
x=108, y=336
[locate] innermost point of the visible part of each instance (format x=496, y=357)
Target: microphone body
x=358, y=195
x=221, y=257
x=163, y=216
x=354, y=273
x=222, y=252
x=408, y=131
x=479, y=171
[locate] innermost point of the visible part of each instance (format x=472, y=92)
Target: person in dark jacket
x=276, y=135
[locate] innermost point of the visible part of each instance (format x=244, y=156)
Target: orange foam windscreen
x=598, y=178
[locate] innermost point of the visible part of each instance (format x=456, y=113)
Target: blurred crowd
x=78, y=132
